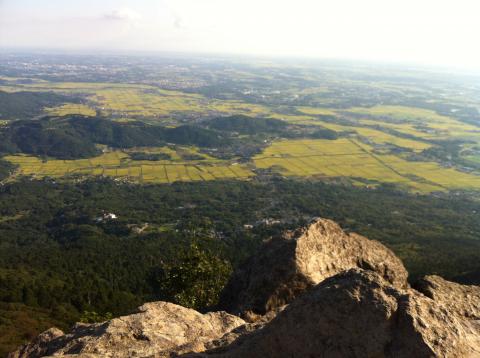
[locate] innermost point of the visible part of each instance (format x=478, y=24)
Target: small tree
x=195, y=280
x=94, y=317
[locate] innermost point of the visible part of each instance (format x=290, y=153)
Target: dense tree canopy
x=62, y=255
x=25, y=105
x=75, y=136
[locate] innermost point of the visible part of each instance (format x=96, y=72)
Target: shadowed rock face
x=325, y=294
x=288, y=265
x=359, y=314
x=464, y=300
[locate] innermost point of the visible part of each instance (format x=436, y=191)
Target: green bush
x=195, y=280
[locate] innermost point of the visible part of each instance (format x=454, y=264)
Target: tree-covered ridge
x=247, y=125
x=75, y=136
x=6, y=169
x=268, y=127
x=46, y=138
x=25, y=105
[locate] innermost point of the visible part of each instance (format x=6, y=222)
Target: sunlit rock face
x=289, y=264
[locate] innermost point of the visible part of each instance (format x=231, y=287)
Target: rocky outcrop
x=357, y=313
x=159, y=329
x=39, y=346
x=464, y=300
x=288, y=265
x=324, y=293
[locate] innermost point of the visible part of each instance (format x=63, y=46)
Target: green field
x=356, y=160
x=365, y=153
x=345, y=157
x=418, y=122
x=122, y=100
x=117, y=164
x=134, y=100
x=71, y=108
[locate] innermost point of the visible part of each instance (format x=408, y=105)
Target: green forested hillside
x=60, y=253
x=25, y=105
x=247, y=125
x=75, y=136
x=5, y=169
x=269, y=127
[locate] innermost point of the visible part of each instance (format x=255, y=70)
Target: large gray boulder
x=357, y=313
x=288, y=265
x=159, y=329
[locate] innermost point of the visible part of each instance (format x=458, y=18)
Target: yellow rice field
x=71, y=108
x=350, y=158
x=355, y=156
x=118, y=165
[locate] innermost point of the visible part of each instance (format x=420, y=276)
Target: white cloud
x=428, y=31
x=178, y=22
x=124, y=14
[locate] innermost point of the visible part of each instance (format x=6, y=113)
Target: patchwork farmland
x=118, y=165
x=353, y=159
x=378, y=144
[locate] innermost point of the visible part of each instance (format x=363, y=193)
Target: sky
x=437, y=32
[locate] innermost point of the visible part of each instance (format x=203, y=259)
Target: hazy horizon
x=440, y=33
